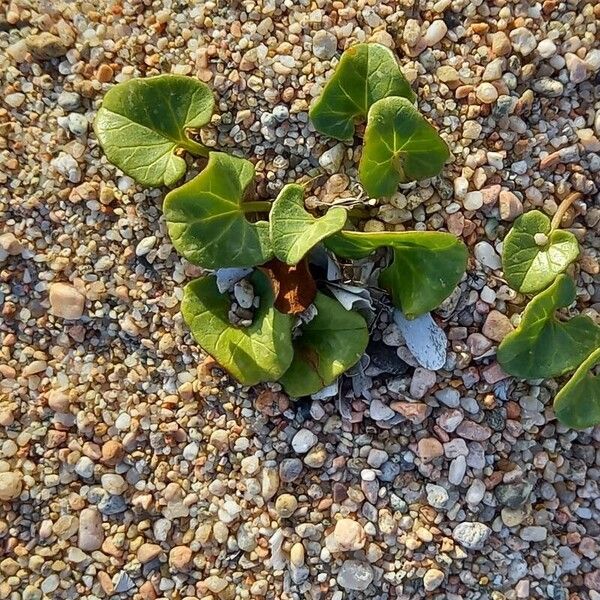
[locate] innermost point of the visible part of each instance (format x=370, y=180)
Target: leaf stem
x=563, y=207
x=194, y=147
x=256, y=206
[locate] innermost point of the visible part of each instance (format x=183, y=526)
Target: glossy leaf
x=294, y=231
x=529, y=267
x=577, y=404
x=365, y=74
x=206, y=217
x=542, y=346
x=400, y=145
x=143, y=125
x=261, y=352
x=328, y=346
x=426, y=266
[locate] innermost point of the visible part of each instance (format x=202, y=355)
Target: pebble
x=533, y=533
x=429, y=449
x=476, y=492
x=473, y=200
x=286, y=505
x=437, y=496
x=486, y=254
x=91, y=533
x=347, y=536
x=497, y=326
x=471, y=535
x=487, y=93
x=435, y=33
x=303, y=441
x=331, y=160
x=432, y=579
x=546, y=48
x=324, y=45
x=458, y=468
x=379, y=411
x=510, y=206
x=523, y=41
x=11, y=484
x=355, y=575
x=14, y=100
x=45, y=46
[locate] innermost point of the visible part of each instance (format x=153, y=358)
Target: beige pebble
x=11, y=484
x=65, y=301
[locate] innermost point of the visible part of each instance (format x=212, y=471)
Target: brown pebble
x=104, y=74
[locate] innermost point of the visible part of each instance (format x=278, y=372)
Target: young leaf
x=142, y=126
x=542, y=346
x=206, y=217
x=400, y=145
x=577, y=405
x=294, y=231
x=530, y=267
x=426, y=266
x=328, y=346
x=366, y=73
x=261, y=352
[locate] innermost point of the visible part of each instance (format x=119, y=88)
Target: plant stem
x=256, y=206
x=563, y=207
x=194, y=147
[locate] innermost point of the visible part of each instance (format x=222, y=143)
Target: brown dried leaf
x=294, y=286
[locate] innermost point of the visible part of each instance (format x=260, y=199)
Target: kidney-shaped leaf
x=426, y=266
x=143, y=124
x=542, y=346
x=530, y=267
x=577, y=405
x=294, y=231
x=400, y=145
x=366, y=73
x=206, y=217
x=261, y=352
x=328, y=346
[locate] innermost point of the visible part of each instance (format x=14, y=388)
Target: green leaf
x=261, y=352
x=366, y=73
x=426, y=266
x=530, y=267
x=577, y=405
x=328, y=346
x=400, y=145
x=142, y=126
x=206, y=217
x=294, y=231
x=542, y=346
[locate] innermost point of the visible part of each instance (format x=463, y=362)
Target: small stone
x=476, y=492
x=378, y=411
x=415, y=412
x=470, y=430
x=324, y=44
x=331, y=160
x=180, y=558
x=546, y=86
x=377, y=457
x=104, y=74
x=286, y=505
x=510, y=206
x=512, y=517
x=500, y=44
x=523, y=41
x=85, y=467
x=145, y=245
x=472, y=130
x=68, y=100
x=348, y=535
x=355, y=575
x=513, y=495
x=497, y=326
x=91, y=533
x=412, y=32
x=457, y=470
x=112, y=452
x=290, y=469
x=11, y=484
x=78, y=124
x=45, y=46
x=450, y=419
x=67, y=166
x=577, y=68
x=486, y=254
x=473, y=200
x=533, y=533
x=303, y=441
x=546, y=48
x=487, y=93
x=422, y=381
x=10, y=245
x=437, y=496
x=471, y=535
x=435, y=33
x=148, y=552
x=113, y=483
x=432, y=579
x=243, y=292
x=429, y=449
x=15, y=99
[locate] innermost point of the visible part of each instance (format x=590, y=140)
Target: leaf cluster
x=535, y=255
x=400, y=145
x=145, y=127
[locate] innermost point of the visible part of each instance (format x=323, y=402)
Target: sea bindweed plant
x=399, y=144
x=292, y=330
x=536, y=253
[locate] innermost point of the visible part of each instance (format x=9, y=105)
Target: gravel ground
x=130, y=467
